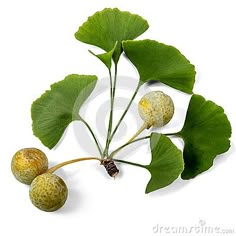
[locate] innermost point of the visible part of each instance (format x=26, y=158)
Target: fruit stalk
x=141, y=129
x=53, y=169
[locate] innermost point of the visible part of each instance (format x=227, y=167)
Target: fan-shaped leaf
x=166, y=164
x=157, y=61
x=58, y=107
x=206, y=134
x=106, y=27
x=106, y=57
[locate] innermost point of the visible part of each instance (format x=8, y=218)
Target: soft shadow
x=225, y=156
x=153, y=82
x=222, y=158
x=61, y=139
x=75, y=199
x=73, y=203
x=52, y=164
x=176, y=186
x=84, y=138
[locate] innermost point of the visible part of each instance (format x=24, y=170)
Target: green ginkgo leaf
x=206, y=134
x=58, y=107
x=166, y=164
x=106, y=27
x=160, y=62
x=106, y=57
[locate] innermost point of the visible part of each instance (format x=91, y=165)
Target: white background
x=37, y=48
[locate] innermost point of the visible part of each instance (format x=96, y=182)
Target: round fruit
x=156, y=109
x=28, y=163
x=48, y=192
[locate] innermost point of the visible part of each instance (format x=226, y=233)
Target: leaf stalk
x=126, y=144
x=93, y=135
x=125, y=111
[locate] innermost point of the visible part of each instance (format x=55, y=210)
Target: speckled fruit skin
x=156, y=109
x=48, y=192
x=28, y=163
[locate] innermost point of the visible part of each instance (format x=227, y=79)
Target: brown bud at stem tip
x=110, y=167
